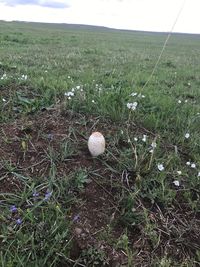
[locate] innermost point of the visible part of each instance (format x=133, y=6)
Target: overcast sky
x=150, y=15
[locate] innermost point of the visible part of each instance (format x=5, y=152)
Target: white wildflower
x=3, y=99
x=160, y=167
x=153, y=144
x=132, y=105
x=144, y=138
x=198, y=175
x=193, y=165
x=135, y=139
x=24, y=77
x=176, y=183
x=188, y=163
x=187, y=135
x=128, y=105
x=186, y=101
x=93, y=101
x=4, y=77
x=179, y=172
x=69, y=94
x=179, y=101
x=133, y=94
x=141, y=96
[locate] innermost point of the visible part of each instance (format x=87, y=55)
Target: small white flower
x=3, y=99
x=142, y=96
x=151, y=151
x=128, y=105
x=198, y=175
x=78, y=87
x=176, y=183
x=179, y=101
x=188, y=163
x=153, y=144
x=4, y=77
x=93, y=101
x=46, y=71
x=68, y=77
x=144, y=139
x=193, y=165
x=187, y=135
x=132, y=105
x=186, y=101
x=133, y=94
x=135, y=139
x=69, y=94
x=189, y=83
x=179, y=172
x=160, y=167
x=129, y=140
x=24, y=77
x=69, y=97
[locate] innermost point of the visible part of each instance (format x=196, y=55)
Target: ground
x=135, y=205
x=96, y=214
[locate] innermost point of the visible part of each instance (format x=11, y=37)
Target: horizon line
x=100, y=26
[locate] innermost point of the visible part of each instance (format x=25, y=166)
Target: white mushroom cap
x=96, y=144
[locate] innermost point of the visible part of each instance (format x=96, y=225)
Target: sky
x=147, y=15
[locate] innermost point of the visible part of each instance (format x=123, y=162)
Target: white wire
x=165, y=43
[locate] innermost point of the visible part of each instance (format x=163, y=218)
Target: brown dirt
x=24, y=149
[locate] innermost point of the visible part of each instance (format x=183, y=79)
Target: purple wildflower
x=35, y=194
x=76, y=218
x=50, y=136
x=19, y=221
x=47, y=195
x=13, y=208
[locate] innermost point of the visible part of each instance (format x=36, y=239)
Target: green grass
x=72, y=209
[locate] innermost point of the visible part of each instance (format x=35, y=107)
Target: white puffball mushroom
x=96, y=144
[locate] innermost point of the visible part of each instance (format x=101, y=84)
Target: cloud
x=50, y=4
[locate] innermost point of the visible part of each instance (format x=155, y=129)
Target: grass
x=61, y=207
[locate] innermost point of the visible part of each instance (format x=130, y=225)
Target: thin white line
x=164, y=45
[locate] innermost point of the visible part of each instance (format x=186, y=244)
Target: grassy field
x=138, y=204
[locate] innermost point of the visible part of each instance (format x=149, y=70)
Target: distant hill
x=93, y=28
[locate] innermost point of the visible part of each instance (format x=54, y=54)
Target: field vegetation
x=138, y=204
